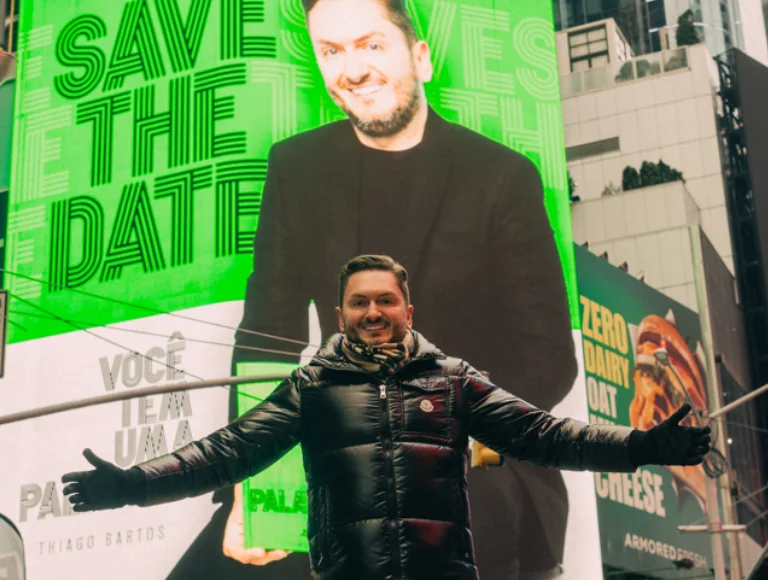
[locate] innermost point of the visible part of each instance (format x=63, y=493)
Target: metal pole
x=728, y=506
x=713, y=392
x=739, y=402
x=645, y=571
x=3, y=6
x=133, y=393
x=713, y=529
x=10, y=29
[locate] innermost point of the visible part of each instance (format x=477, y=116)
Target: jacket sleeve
x=243, y=448
x=276, y=300
x=518, y=430
x=531, y=290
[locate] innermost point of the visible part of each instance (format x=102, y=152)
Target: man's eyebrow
x=363, y=38
x=382, y=295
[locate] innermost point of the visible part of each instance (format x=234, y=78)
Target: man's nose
x=355, y=69
x=373, y=312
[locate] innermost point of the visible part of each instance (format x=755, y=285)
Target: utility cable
x=128, y=349
x=92, y=325
x=153, y=310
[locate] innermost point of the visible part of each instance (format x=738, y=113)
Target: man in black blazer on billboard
x=464, y=214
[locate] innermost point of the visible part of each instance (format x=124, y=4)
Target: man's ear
x=410, y=316
x=423, y=61
x=341, y=319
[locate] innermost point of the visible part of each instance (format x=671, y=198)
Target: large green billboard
x=142, y=135
x=143, y=129
x=624, y=323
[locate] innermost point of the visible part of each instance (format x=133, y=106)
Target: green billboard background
x=638, y=513
x=274, y=501
x=142, y=131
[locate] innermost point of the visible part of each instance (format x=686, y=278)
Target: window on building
x=594, y=10
x=657, y=17
x=579, y=152
x=588, y=48
x=623, y=50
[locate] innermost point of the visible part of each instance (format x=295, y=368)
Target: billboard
x=145, y=134
x=624, y=322
x=143, y=131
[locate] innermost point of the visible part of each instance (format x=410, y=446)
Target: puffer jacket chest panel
x=342, y=448
x=428, y=409
x=433, y=483
x=429, y=446
x=338, y=415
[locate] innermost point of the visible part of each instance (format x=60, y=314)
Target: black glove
x=669, y=443
x=104, y=488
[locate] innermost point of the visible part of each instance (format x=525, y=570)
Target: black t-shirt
x=387, y=186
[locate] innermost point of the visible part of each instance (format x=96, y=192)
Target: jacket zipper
x=394, y=541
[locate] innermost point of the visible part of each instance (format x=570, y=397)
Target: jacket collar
x=331, y=355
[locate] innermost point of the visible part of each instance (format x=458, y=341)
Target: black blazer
x=485, y=276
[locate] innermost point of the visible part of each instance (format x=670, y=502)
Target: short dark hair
x=371, y=262
x=398, y=15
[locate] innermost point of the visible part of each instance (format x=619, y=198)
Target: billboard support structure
x=739, y=402
x=721, y=529
x=713, y=385
x=136, y=393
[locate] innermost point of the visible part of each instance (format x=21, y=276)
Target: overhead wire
x=758, y=518
x=154, y=310
x=128, y=349
x=740, y=500
x=157, y=334
x=745, y=426
x=753, y=494
x=17, y=325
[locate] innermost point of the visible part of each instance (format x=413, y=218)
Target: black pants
x=517, y=536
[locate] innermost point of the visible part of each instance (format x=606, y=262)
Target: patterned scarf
x=384, y=358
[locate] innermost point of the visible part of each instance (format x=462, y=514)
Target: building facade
x=655, y=108
x=651, y=25
x=624, y=119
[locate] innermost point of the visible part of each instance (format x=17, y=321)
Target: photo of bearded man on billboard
x=464, y=214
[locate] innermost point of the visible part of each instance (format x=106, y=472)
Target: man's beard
x=408, y=103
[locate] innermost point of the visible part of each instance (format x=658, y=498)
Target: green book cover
x=275, y=500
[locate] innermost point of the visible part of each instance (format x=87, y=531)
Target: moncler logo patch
x=427, y=406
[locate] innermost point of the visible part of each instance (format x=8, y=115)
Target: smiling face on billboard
x=373, y=69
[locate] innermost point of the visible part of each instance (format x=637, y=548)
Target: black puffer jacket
x=385, y=460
